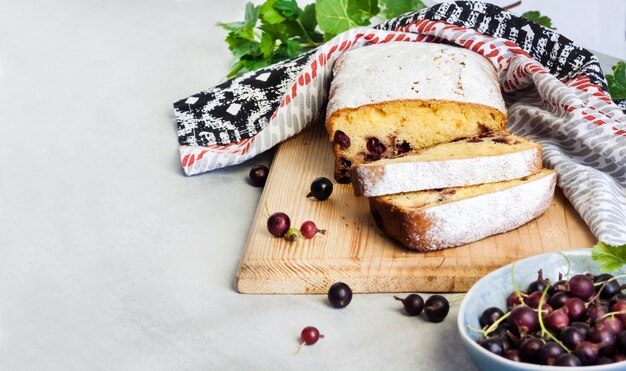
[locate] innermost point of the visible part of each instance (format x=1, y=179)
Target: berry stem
x=543, y=327
x=299, y=348
x=267, y=209
x=597, y=295
x=612, y=314
x=609, y=280
x=309, y=195
x=569, y=264
x=494, y=325
x=320, y=231
x=456, y=298
x=515, y=287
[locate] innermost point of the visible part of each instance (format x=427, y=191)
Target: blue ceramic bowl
x=492, y=290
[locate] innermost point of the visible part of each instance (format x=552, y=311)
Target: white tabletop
x=111, y=258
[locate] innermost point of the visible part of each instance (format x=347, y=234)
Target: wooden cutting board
x=356, y=252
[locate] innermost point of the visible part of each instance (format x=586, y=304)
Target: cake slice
x=395, y=97
x=437, y=219
x=486, y=159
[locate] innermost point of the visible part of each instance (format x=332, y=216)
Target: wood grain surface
x=356, y=252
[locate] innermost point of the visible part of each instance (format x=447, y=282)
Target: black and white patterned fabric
x=555, y=93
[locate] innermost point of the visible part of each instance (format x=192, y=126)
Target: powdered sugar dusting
x=472, y=219
x=398, y=177
x=413, y=70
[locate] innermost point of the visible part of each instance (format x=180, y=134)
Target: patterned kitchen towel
x=555, y=93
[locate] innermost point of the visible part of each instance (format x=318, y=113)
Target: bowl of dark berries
x=547, y=312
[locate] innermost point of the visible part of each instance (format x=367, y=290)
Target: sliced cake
x=437, y=219
x=396, y=97
x=486, y=159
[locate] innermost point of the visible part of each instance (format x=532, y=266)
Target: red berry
x=309, y=335
x=309, y=229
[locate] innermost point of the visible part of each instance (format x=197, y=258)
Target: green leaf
x=293, y=48
x=244, y=29
x=288, y=8
x=267, y=45
x=269, y=14
x=617, y=81
x=363, y=10
x=611, y=257
x=242, y=47
x=278, y=31
x=307, y=18
x=336, y=16
x=252, y=15
x=394, y=8
x=536, y=17
x=254, y=64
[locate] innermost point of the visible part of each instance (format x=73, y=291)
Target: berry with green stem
x=292, y=235
x=309, y=336
x=489, y=316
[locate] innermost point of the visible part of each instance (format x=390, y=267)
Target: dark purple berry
x=533, y=299
x=403, y=147
x=619, y=357
x=512, y=355
x=604, y=338
x=321, y=188
x=556, y=320
x=568, y=360
x=616, y=298
x=514, y=299
x=558, y=299
x=582, y=327
x=413, y=304
x=489, y=316
x=581, y=286
x=436, y=308
x=539, y=284
x=549, y=352
x=587, y=352
x=523, y=320
x=258, y=175
x=339, y=295
x=529, y=350
x=613, y=324
x=575, y=309
x=571, y=336
x=371, y=157
x=341, y=139
x=372, y=144
x=278, y=224
x=609, y=289
x=558, y=286
x=596, y=311
x=603, y=361
x=493, y=345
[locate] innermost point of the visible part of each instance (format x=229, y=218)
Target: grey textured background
x=110, y=258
